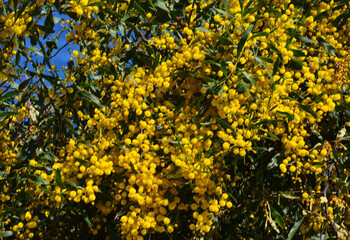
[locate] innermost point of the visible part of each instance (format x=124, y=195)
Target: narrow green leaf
x=203, y=29
x=58, y=178
x=6, y=234
x=341, y=19
x=72, y=184
x=260, y=34
x=290, y=39
x=265, y=59
x=223, y=40
x=38, y=180
x=161, y=5
x=224, y=13
x=223, y=66
x=250, y=78
x=305, y=39
x=295, y=229
x=45, y=190
x=243, y=39
x=10, y=94
x=289, y=116
x=156, y=61
x=328, y=47
x=92, y=98
x=225, y=125
x=277, y=217
x=276, y=66
x=22, y=8
x=308, y=110
x=6, y=114
x=289, y=196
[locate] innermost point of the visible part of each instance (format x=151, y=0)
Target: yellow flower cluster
x=178, y=126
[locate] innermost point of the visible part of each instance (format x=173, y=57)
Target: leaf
x=265, y=59
x=274, y=161
x=156, y=61
x=289, y=116
x=10, y=94
x=260, y=34
x=223, y=66
x=289, y=196
x=328, y=47
x=161, y=5
x=38, y=180
x=276, y=66
x=243, y=39
x=308, y=110
x=6, y=114
x=92, y=97
x=223, y=40
x=203, y=29
x=295, y=228
x=23, y=7
x=224, y=12
x=45, y=190
x=6, y=234
x=305, y=39
x=336, y=157
x=72, y=184
x=290, y=39
x=250, y=78
x=225, y=125
x=341, y=133
x=341, y=20
x=58, y=178
x=277, y=217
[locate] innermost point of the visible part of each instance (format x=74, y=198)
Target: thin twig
x=326, y=203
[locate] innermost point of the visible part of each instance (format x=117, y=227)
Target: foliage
x=174, y=119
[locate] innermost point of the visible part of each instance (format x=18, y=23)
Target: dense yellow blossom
x=179, y=119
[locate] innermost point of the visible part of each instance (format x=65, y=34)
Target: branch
x=329, y=174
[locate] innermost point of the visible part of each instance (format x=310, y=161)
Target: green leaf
x=58, y=178
x=289, y=116
x=295, y=229
x=156, y=61
x=72, y=184
x=38, y=180
x=277, y=217
x=265, y=59
x=223, y=40
x=328, y=47
x=224, y=13
x=10, y=94
x=305, y=39
x=250, y=78
x=203, y=29
x=289, y=196
x=260, y=34
x=336, y=157
x=341, y=19
x=243, y=39
x=161, y=5
x=276, y=66
x=92, y=98
x=225, y=125
x=23, y=7
x=6, y=234
x=45, y=190
x=290, y=39
x=308, y=110
x=223, y=66
x=274, y=161
x=6, y=114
